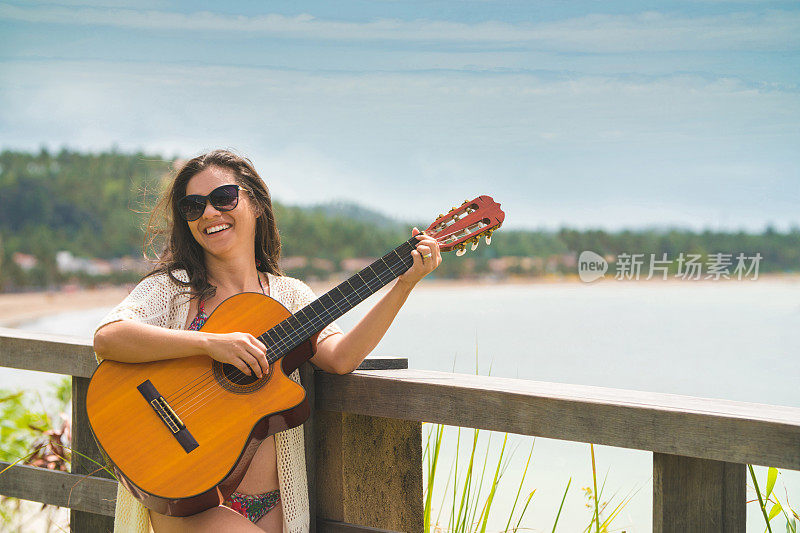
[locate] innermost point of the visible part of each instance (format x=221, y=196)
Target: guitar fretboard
x=287, y=335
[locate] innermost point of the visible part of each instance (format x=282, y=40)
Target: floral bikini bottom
x=253, y=506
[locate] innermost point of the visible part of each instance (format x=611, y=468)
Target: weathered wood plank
x=383, y=363
x=87, y=460
x=721, y=430
x=330, y=526
x=369, y=471
x=309, y=432
x=697, y=495
x=84, y=493
x=59, y=354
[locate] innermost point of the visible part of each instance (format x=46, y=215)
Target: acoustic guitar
x=180, y=433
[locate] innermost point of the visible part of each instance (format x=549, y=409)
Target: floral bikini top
x=199, y=320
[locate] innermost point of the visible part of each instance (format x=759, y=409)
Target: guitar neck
x=287, y=335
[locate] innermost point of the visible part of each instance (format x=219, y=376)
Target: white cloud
x=649, y=31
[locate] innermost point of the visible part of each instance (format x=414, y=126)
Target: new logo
x=591, y=266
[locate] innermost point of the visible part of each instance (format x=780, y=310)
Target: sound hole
x=236, y=376
x=234, y=380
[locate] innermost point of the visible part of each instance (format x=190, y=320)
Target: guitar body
x=180, y=433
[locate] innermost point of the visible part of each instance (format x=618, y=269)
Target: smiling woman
x=222, y=240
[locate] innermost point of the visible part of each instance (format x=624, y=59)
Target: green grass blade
x=463, y=507
x=564, y=497
x=761, y=503
x=455, y=484
x=519, y=489
x=490, y=498
x=480, y=483
x=775, y=511
x=594, y=479
x=524, y=508
x=772, y=476
x=432, y=475
x=24, y=457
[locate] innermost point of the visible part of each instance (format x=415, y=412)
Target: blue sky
x=588, y=114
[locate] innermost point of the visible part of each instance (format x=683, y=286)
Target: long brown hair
x=182, y=251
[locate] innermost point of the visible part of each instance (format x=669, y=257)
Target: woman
x=223, y=240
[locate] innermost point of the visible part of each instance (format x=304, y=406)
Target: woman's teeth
x=215, y=229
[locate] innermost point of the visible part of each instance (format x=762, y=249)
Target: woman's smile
x=217, y=229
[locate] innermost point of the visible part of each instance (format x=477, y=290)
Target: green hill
x=94, y=205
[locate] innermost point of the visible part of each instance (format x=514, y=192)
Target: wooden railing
x=364, y=442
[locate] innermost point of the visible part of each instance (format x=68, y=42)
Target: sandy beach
x=16, y=308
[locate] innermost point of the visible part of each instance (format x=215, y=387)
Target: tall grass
x=769, y=504
x=469, y=508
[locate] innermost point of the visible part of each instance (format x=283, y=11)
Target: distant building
x=66, y=263
x=24, y=261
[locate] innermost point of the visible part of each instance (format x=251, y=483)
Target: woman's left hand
x=426, y=258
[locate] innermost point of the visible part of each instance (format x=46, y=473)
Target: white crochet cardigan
x=156, y=300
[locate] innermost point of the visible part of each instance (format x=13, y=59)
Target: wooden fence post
x=83, y=442
x=368, y=470
x=307, y=379
x=698, y=495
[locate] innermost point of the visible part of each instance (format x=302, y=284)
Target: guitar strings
x=281, y=343
x=276, y=344
x=200, y=400
x=293, y=335
x=203, y=400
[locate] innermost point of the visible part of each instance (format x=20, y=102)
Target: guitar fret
x=339, y=300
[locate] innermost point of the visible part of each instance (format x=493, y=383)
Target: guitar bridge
x=168, y=416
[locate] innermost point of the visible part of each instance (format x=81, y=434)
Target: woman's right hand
x=241, y=350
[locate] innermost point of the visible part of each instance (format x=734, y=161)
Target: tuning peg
x=475, y=242
x=461, y=250
x=488, y=238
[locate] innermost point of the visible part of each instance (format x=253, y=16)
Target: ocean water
x=732, y=340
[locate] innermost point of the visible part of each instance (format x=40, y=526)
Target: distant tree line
x=96, y=204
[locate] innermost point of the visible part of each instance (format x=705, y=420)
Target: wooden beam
x=84, y=493
x=698, y=495
x=721, y=430
x=86, y=459
x=59, y=354
x=331, y=526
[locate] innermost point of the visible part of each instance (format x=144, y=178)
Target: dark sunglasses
x=223, y=198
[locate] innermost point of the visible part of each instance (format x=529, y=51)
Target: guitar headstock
x=466, y=223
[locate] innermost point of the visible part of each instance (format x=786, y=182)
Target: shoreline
x=17, y=308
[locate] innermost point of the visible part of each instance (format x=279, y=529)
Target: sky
x=585, y=114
